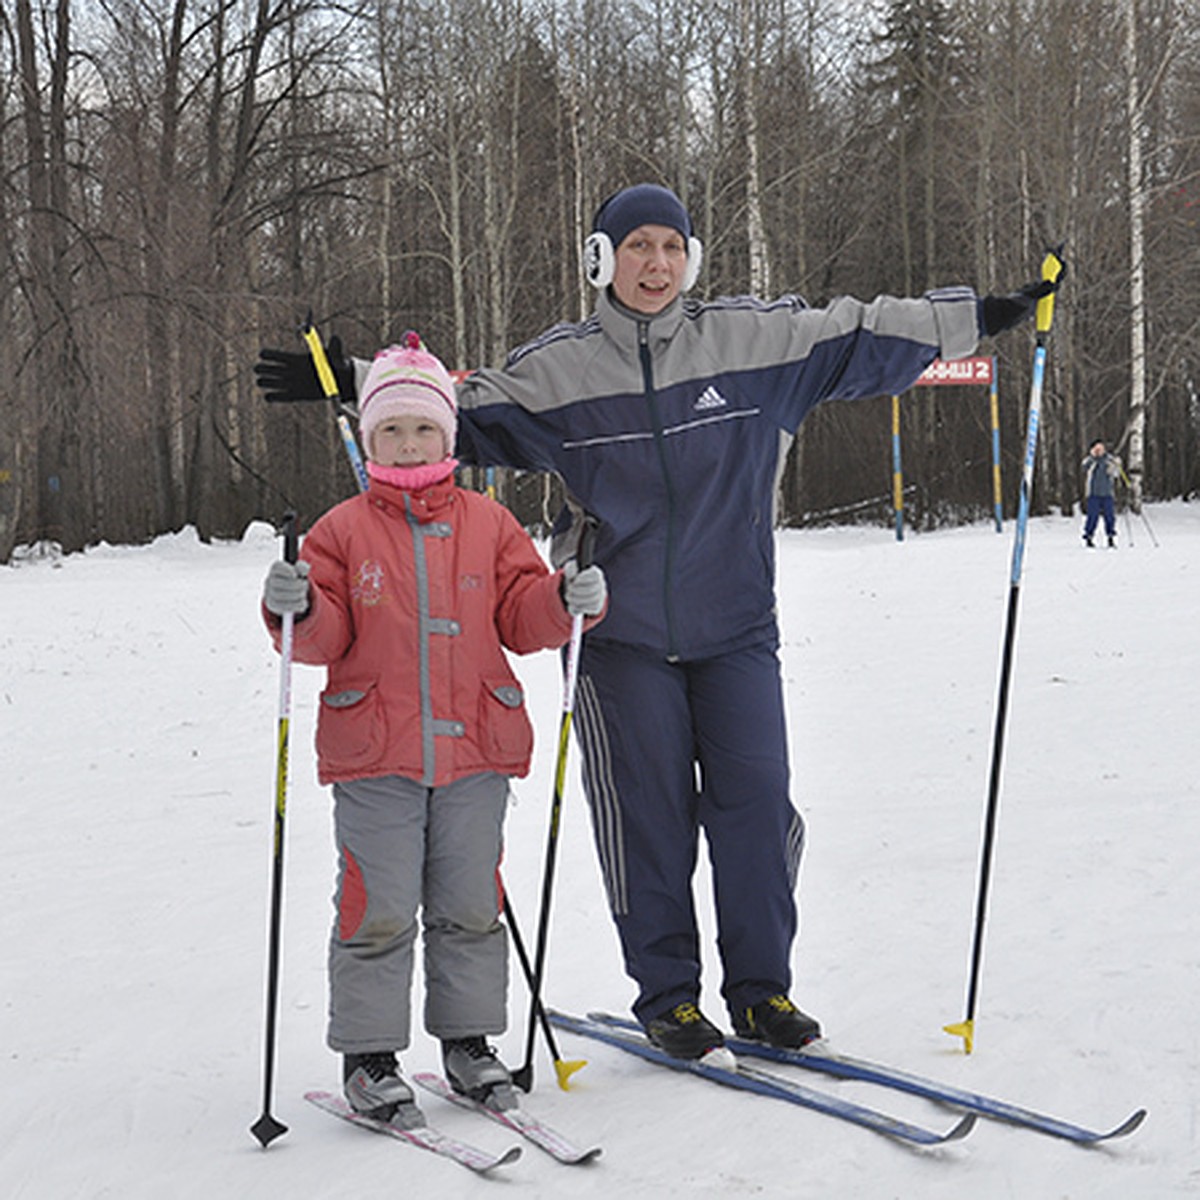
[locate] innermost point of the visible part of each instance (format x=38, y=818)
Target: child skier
x=409, y=593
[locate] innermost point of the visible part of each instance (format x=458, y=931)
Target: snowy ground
x=137, y=749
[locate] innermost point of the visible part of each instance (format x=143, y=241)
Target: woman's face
x=649, y=267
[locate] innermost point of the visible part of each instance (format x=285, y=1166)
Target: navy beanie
x=642, y=204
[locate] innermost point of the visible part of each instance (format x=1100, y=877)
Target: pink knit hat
x=407, y=380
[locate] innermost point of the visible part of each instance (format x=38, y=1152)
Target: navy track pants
x=669, y=749
x=1097, y=507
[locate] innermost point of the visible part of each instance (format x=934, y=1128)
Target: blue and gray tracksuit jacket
x=671, y=430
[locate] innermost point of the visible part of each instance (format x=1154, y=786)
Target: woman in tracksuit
x=410, y=593
x=668, y=420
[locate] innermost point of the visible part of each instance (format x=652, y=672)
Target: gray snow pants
x=404, y=847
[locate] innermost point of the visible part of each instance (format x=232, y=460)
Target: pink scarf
x=413, y=479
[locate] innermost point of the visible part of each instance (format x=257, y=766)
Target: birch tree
x=1137, y=264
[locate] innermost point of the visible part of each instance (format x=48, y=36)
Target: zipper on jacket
x=669, y=554
x=424, y=681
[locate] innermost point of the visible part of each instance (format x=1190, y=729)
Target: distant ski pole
x=523, y=1075
x=1140, y=510
x=1052, y=266
x=267, y=1128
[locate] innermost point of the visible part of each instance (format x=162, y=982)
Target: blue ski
x=819, y=1058
x=750, y=1079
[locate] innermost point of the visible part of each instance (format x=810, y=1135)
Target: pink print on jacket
x=367, y=585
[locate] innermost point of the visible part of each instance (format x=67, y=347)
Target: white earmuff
x=695, y=253
x=599, y=259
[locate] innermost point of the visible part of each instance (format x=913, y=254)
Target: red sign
x=957, y=370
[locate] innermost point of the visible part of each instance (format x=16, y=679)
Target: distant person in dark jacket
x=1101, y=471
x=668, y=421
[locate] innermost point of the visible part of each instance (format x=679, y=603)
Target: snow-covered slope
x=137, y=753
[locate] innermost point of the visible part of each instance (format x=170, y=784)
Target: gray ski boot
x=473, y=1070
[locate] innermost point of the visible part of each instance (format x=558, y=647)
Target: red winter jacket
x=414, y=597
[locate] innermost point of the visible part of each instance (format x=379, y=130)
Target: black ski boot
x=778, y=1022
x=684, y=1032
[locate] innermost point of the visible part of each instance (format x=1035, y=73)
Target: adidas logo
x=709, y=398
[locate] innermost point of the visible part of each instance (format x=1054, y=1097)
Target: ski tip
x=565, y=1068
x=965, y=1030
x=1132, y=1122
x=964, y=1127
x=510, y=1155
x=267, y=1129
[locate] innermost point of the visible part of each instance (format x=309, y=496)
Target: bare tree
x=180, y=183
x=1137, y=263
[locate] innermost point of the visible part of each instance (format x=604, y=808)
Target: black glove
x=998, y=313
x=287, y=375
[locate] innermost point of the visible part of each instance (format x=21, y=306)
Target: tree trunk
x=1137, y=266
x=751, y=49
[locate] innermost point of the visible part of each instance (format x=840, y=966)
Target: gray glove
x=583, y=592
x=286, y=588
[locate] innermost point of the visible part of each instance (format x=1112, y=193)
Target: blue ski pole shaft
x=1051, y=269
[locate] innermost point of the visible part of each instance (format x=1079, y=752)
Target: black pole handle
x=587, y=541
x=291, y=539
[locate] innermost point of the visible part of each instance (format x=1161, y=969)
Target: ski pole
x=523, y=1075
x=1128, y=504
x=1141, y=510
x=1149, y=528
x=1051, y=269
x=267, y=1128
x=564, y=1068
x=330, y=388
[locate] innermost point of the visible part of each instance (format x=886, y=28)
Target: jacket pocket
x=350, y=730
x=507, y=733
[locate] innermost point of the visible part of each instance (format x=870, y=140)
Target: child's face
x=406, y=441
